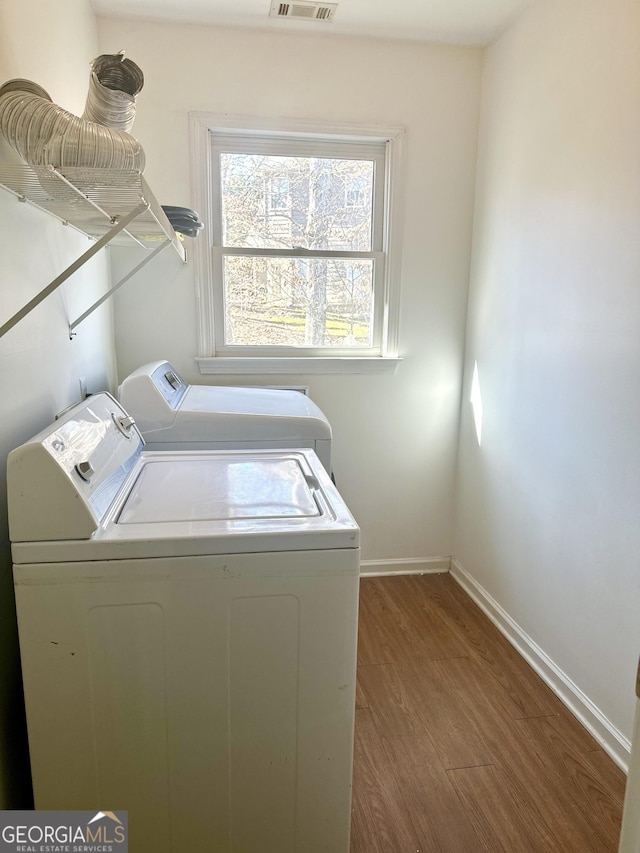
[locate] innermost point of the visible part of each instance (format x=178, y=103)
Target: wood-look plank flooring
x=460, y=746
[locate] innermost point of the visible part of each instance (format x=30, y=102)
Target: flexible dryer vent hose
x=113, y=86
x=45, y=134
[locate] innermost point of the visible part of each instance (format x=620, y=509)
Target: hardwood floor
x=460, y=746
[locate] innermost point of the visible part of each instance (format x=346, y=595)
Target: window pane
x=314, y=302
x=273, y=202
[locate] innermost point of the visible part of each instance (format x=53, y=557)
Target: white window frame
x=255, y=360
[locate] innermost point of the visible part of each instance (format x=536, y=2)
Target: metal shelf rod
x=115, y=287
x=99, y=244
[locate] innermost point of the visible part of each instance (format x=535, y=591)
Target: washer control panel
x=64, y=480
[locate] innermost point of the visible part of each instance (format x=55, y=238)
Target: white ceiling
x=451, y=21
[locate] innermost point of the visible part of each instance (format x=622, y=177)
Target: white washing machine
x=175, y=416
x=188, y=631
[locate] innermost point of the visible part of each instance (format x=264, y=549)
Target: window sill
x=280, y=366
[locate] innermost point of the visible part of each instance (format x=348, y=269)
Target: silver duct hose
x=45, y=134
x=113, y=86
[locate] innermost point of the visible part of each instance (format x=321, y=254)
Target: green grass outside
x=335, y=326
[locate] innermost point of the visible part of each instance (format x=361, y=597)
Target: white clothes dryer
x=187, y=628
x=175, y=416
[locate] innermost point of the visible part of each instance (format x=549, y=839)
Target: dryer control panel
x=153, y=394
x=169, y=384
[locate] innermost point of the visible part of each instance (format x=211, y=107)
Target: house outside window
x=297, y=259
x=278, y=190
x=357, y=194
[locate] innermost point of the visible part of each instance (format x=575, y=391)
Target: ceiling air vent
x=303, y=9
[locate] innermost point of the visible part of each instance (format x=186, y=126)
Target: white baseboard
x=610, y=738
x=408, y=566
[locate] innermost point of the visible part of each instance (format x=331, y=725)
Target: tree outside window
x=291, y=204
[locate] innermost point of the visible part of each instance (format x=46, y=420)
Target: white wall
x=395, y=436
x=547, y=517
x=39, y=365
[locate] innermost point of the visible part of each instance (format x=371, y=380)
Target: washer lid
x=216, y=502
x=220, y=488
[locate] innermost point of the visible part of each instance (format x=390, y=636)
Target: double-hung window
x=298, y=245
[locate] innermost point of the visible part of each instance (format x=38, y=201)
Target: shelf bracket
x=118, y=226
x=115, y=287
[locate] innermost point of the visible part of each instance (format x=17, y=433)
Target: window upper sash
x=319, y=147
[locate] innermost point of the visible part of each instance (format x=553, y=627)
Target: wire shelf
x=109, y=206
x=93, y=201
